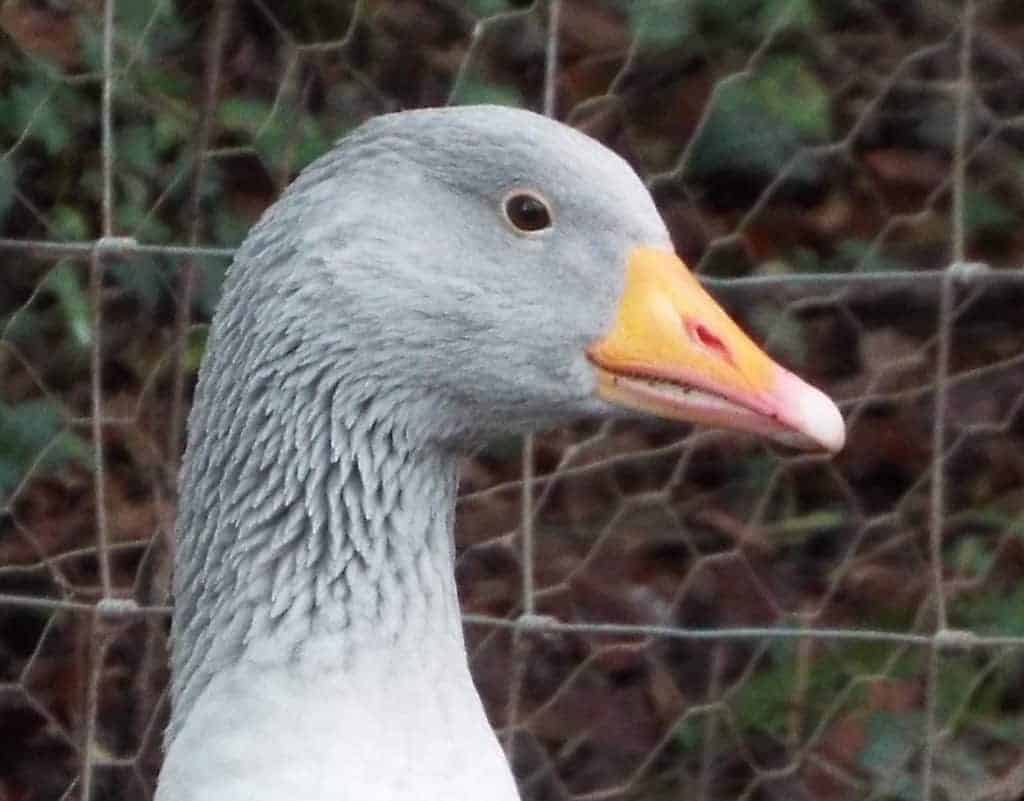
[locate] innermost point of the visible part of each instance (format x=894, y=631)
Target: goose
x=442, y=276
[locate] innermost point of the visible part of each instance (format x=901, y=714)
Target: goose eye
x=527, y=212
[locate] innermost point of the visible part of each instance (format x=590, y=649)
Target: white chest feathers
x=400, y=725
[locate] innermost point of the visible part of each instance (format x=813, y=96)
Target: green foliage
x=799, y=528
x=791, y=94
x=689, y=734
x=962, y=699
x=866, y=658
x=774, y=15
x=932, y=122
x=69, y=223
x=783, y=334
x=992, y=608
x=892, y=740
x=146, y=30
x=195, y=348
x=146, y=278
x=475, y=89
x=211, y=278
x=152, y=28
x=31, y=436
x=488, y=8
x=63, y=281
x=985, y=214
x=7, y=183
x=972, y=557
x=69, y=315
x=856, y=255
x=39, y=106
x=28, y=108
x=660, y=25
x=765, y=702
x=991, y=613
x=283, y=140
x=743, y=21
x=758, y=123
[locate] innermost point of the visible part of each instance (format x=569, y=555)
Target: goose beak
x=675, y=353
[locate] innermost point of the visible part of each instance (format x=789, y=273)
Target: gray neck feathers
x=312, y=504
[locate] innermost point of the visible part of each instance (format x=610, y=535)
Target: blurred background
x=735, y=622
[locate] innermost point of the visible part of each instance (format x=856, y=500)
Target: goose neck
x=313, y=529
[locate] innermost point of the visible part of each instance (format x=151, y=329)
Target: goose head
x=500, y=272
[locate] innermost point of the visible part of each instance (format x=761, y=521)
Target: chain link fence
x=652, y=612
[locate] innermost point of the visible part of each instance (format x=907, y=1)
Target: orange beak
x=675, y=353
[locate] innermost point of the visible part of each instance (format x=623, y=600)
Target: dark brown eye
x=527, y=212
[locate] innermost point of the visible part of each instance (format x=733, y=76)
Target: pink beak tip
x=813, y=416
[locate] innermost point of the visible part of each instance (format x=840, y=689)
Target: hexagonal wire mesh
x=651, y=612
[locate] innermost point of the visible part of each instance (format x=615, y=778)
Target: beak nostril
x=706, y=337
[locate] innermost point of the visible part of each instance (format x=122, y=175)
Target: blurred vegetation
x=779, y=136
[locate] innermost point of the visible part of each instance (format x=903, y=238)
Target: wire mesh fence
x=651, y=612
